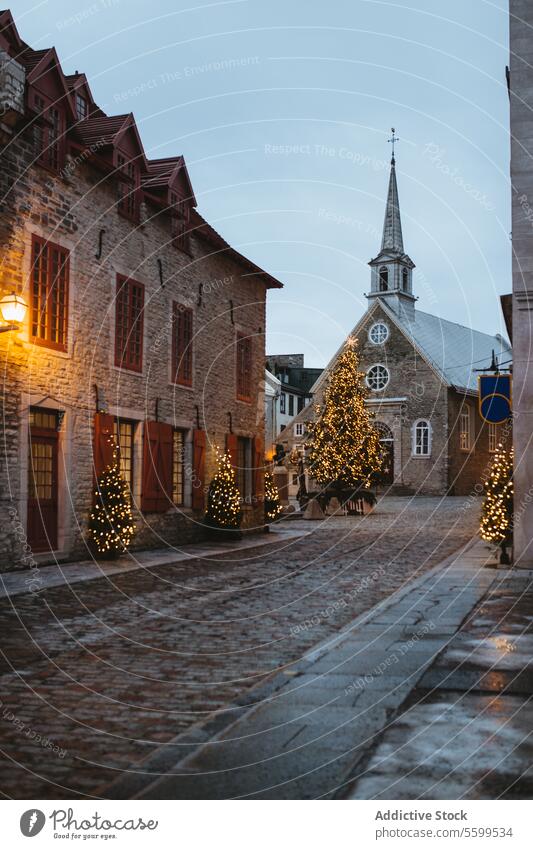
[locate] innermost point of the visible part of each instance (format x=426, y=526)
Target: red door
x=42, y=481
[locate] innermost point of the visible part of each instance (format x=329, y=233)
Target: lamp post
x=13, y=309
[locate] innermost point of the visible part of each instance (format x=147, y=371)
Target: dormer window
x=82, y=107
x=128, y=187
x=383, y=278
x=405, y=280
x=180, y=222
x=49, y=134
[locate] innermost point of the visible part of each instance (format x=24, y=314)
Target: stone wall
x=521, y=64
x=72, y=209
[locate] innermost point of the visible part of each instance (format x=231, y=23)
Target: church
x=420, y=371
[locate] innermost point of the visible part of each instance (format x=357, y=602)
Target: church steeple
x=392, y=226
x=392, y=269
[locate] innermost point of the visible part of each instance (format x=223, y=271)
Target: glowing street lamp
x=13, y=309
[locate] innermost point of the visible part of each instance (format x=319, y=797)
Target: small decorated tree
x=111, y=525
x=223, y=499
x=497, y=510
x=272, y=500
x=344, y=449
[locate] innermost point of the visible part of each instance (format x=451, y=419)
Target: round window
x=377, y=377
x=378, y=333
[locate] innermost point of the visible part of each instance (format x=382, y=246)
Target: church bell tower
x=392, y=268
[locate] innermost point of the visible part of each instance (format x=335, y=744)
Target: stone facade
x=77, y=209
x=521, y=91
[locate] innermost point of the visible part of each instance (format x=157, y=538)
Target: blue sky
x=282, y=111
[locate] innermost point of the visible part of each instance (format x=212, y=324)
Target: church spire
x=392, y=269
x=392, y=226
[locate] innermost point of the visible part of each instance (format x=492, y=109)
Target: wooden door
x=42, y=481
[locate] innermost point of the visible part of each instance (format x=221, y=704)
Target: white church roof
x=454, y=351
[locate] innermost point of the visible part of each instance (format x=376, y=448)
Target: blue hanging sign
x=495, y=397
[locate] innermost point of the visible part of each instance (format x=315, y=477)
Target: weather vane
x=393, y=140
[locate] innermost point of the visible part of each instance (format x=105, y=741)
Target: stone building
x=521, y=92
x=143, y=324
x=420, y=372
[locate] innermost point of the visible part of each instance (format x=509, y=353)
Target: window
x=244, y=467
x=124, y=431
x=465, y=437
x=82, y=107
x=182, y=344
x=295, y=480
x=291, y=405
x=178, y=462
x=422, y=438
x=282, y=403
x=299, y=429
x=49, y=134
x=378, y=333
x=128, y=195
x=129, y=324
x=49, y=294
x=180, y=220
x=377, y=377
x=493, y=437
x=244, y=367
x=405, y=280
x=383, y=278
x=301, y=403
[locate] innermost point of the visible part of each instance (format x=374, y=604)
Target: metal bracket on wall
x=230, y=423
x=200, y=293
x=231, y=312
x=160, y=267
x=100, y=243
x=197, y=416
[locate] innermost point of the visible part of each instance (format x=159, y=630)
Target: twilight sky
x=282, y=110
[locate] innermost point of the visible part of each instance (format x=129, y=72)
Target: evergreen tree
x=111, y=525
x=223, y=498
x=344, y=447
x=272, y=502
x=497, y=510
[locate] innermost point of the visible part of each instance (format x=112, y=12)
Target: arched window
x=405, y=280
x=383, y=278
x=421, y=438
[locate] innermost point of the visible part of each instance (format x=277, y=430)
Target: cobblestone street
x=97, y=674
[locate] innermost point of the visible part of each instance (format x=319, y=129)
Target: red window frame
x=182, y=344
x=49, y=294
x=128, y=187
x=49, y=133
x=129, y=321
x=244, y=367
x=179, y=221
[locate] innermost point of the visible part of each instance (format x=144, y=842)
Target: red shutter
x=259, y=467
x=198, y=462
x=231, y=448
x=103, y=442
x=156, y=493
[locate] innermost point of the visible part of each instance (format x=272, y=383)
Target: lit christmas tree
x=223, y=499
x=272, y=502
x=497, y=511
x=344, y=448
x=111, y=525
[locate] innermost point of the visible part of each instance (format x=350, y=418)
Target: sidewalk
x=311, y=732
x=24, y=581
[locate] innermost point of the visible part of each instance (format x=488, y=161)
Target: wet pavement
x=121, y=676
x=315, y=734
x=466, y=730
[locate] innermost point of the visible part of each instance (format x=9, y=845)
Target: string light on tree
x=111, y=525
x=344, y=445
x=272, y=501
x=497, y=511
x=223, y=498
